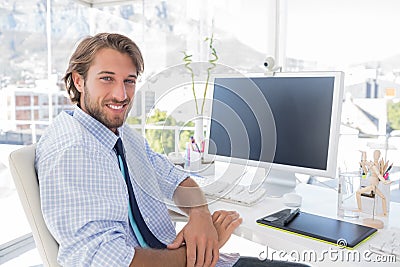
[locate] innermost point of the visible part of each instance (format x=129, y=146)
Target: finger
x=190, y=254
x=234, y=224
x=233, y=216
x=208, y=255
x=200, y=253
x=216, y=215
x=228, y=219
x=220, y=216
x=177, y=242
x=230, y=225
x=227, y=213
x=222, y=212
x=215, y=255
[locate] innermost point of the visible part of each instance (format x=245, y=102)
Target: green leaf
x=187, y=59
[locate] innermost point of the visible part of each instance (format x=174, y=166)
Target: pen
x=194, y=142
x=390, y=167
x=291, y=216
x=386, y=176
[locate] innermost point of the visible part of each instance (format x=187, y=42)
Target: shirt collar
x=104, y=135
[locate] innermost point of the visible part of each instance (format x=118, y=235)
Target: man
x=89, y=189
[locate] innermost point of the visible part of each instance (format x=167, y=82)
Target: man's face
x=107, y=94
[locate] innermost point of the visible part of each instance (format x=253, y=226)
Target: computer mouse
x=292, y=199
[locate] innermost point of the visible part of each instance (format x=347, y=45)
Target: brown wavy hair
x=87, y=49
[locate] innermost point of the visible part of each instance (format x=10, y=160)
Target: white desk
x=316, y=200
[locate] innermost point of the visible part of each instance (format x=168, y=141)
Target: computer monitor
x=286, y=124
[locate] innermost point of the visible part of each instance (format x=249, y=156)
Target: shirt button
x=147, y=219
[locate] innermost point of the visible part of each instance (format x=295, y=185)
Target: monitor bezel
x=334, y=132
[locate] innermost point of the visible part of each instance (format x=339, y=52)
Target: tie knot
x=119, y=147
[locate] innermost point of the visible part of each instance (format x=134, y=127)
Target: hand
x=225, y=222
x=201, y=239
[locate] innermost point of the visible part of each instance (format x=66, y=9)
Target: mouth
x=116, y=106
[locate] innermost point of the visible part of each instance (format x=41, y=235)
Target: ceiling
x=98, y=3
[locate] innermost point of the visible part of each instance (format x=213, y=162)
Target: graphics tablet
x=341, y=233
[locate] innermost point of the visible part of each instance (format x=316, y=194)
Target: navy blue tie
x=147, y=235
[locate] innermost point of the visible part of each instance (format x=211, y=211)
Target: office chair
x=26, y=182
x=24, y=174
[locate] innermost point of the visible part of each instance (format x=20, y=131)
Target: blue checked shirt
x=84, y=197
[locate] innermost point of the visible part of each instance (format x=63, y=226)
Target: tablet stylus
x=291, y=216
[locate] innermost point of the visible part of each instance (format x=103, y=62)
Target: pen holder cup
x=201, y=168
x=349, y=183
x=195, y=161
x=196, y=164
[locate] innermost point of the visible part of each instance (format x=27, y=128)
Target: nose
x=119, y=91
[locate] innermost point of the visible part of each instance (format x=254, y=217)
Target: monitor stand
x=277, y=183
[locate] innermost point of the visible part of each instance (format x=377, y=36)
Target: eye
x=130, y=81
x=106, y=78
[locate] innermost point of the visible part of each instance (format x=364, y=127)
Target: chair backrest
x=22, y=167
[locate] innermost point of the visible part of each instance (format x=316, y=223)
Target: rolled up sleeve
x=170, y=176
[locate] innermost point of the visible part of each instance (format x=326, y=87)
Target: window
x=356, y=37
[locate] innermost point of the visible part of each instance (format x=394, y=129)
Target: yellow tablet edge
x=317, y=239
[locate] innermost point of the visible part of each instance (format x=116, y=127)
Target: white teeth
x=115, y=107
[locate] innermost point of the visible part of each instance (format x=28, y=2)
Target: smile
x=115, y=106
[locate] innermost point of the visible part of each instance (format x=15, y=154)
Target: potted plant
x=187, y=59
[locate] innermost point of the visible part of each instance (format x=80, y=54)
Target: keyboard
x=236, y=194
x=388, y=243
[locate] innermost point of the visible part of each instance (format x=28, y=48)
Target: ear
x=78, y=80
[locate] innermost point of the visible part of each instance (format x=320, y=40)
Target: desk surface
x=316, y=200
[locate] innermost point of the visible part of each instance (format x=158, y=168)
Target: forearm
x=162, y=257
x=199, y=234
x=190, y=198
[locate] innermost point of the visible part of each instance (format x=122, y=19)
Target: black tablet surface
x=341, y=233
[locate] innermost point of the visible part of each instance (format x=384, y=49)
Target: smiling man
x=104, y=191
x=107, y=208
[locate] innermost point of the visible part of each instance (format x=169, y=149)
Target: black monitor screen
x=301, y=110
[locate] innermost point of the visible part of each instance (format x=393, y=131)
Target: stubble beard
x=97, y=111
